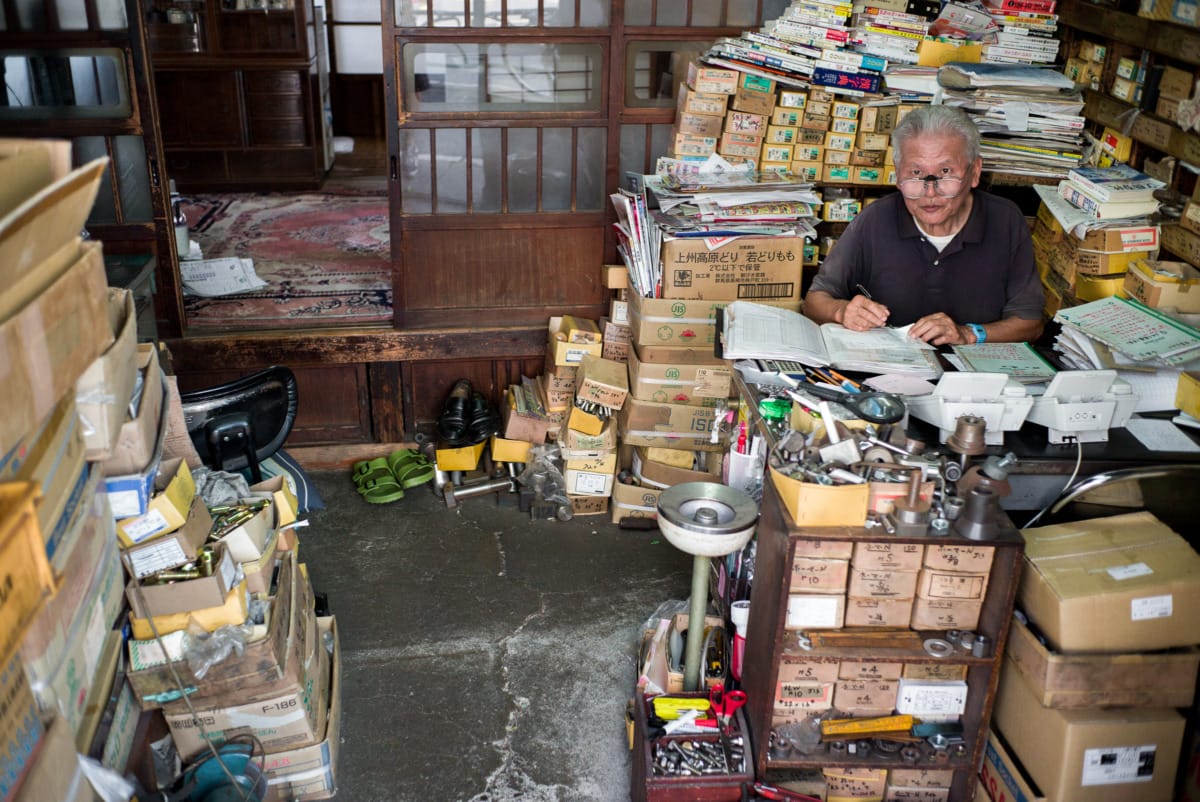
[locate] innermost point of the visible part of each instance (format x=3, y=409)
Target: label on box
x=145, y=527
x=814, y=611
x=806, y=693
x=1118, y=764
x=159, y=557
x=590, y=483
x=933, y=700
x=1150, y=607
x=1123, y=572
x=712, y=382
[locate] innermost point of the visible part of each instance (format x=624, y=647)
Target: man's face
x=940, y=207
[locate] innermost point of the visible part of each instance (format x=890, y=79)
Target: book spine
x=1033, y=6
x=1079, y=200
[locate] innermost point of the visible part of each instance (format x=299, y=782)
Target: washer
x=938, y=647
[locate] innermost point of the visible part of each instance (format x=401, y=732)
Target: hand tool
x=725, y=704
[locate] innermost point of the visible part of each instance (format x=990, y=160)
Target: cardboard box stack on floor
x=1088, y=711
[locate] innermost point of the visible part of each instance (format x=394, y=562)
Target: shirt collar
x=973, y=231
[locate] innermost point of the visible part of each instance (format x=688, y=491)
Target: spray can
x=739, y=613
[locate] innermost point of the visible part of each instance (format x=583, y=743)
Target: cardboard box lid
x=29, y=165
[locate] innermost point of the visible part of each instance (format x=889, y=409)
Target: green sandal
x=370, y=469
x=382, y=490
x=410, y=468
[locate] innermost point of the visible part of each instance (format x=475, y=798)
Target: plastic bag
x=220, y=487
x=543, y=476
x=206, y=651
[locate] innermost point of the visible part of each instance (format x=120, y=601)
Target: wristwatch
x=979, y=331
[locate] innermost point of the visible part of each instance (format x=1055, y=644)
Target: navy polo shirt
x=985, y=274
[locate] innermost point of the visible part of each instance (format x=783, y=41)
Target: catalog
x=754, y=331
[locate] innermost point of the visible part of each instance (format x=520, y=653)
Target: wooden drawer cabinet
x=781, y=677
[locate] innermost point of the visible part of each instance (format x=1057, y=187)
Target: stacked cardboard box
x=1174, y=87
x=1088, y=710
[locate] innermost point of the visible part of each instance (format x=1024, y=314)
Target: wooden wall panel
x=430, y=382
x=456, y=275
x=335, y=404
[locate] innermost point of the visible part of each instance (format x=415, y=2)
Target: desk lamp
x=704, y=519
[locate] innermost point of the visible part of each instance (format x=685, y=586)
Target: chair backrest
x=267, y=400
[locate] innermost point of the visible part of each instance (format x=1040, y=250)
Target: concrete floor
x=487, y=658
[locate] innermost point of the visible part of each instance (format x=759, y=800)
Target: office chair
x=238, y=424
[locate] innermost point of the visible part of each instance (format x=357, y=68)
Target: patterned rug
x=326, y=258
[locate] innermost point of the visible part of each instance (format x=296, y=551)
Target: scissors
x=725, y=703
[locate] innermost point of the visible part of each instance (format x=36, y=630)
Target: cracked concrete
x=487, y=658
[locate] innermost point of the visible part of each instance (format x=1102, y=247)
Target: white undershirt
x=938, y=242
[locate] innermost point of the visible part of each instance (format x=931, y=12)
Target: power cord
x=1066, y=488
x=183, y=694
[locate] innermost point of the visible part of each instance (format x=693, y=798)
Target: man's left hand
x=939, y=329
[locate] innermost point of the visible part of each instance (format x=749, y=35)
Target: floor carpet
x=326, y=257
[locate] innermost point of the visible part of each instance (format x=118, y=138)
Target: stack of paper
x=754, y=331
x=1111, y=193
x=638, y=240
x=1028, y=117
x=1026, y=32
x=1019, y=360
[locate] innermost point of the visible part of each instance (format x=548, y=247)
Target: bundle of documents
x=754, y=331
x=1028, y=117
x=214, y=278
x=891, y=35
x=1027, y=32
x=1019, y=360
x=1111, y=193
x=638, y=240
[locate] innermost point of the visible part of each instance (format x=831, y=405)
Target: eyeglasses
x=946, y=186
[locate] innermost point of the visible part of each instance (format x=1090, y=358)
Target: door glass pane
x=411, y=13
x=485, y=170
x=112, y=15
x=653, y=71
x=133, y=179
x=416, y=178
x=633, y=151
x=32, y=14
x=359, y=49
x=556, y=169
x=449, y=13
x=559, y=13
x=83, y=82
x=72, y=16
x=589, y=171
x=660, y=143
x=672, y=13
x=499, y=78
x=522, y=169
x=450, y=147
x=594, y=13
x=104, y=210
x=358, y=10
x=706, y=14
x=637, y=12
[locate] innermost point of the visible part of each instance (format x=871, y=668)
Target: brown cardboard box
x=180, y=597
x=662, y=322
x=1190, y=220
x=632, y=501
x=677, y=355
x=887, y=555
x=887, y=583
x=712, y=79
x=566, y=351
x=869, y=669
x=602, y=381
x=171, y=550
x=1126, y=755
x=866, y=697
x=823, y=549
x=945, y=614
x=878, y=612
x=47, y=344
x=970, y=559
x=646, y=423
x=746, y=268
x=1119, y=584
x=857, y=783
x=922, y=778
x=1103, y=680
x=812, y=575
x=798, y=699
x=937, y=584
x=588, y=505
x=55, y=774
x=944, y=672
x=653, y=473
x=1176, y=83
x=1003, y=776
x=103, y=391
x=1164, y=285
x=174, y=490
x=808, y=669
x=754, y=94
x=138, y=438
x=692, y=102
x=703, y=125
x=700, y=385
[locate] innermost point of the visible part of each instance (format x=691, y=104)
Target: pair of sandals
x=467, y=418
x=384, y=480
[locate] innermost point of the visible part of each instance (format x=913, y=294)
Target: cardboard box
x=47, y=344
x=181, y=597
x=843, y=784
x=310, y=772
x=937, y=584
x=877, y=612
x=712, y=79
x=701, y=125
x=634, y=501
x=826, y=549
x=169, y=507
x=655, y=671
x=780, y=135
x=652, y=473
x=869, y=669
x=691, y=145
x=791, y=99
x=232, y=612
x=932, y=700
x=20, y=728
x=1168, y=108
x=138, y=438
x=567, y=352
x=866, y=697
x=25, y=572
x=754, y=94
x=1176, y=83
x=1090, y=755
x=1164, y=285
x=945, y=614
x=689, y=101
x=102, y=393
x=797, y=701
x=815, y=611
x=1003, y=776
x=700, y=385
x=56, y=774
x=745, y=122
x=811, y=504
x=1187, y=393
x=969, y=559
x=646, y=423
x=887, y=555
x=259, y=572
x=576, y=443
x=525, y=427
x=1103, y=680
x=603, y=382
x=1119, y=584
x=674, y=322
x=745, y=268
x=618, y=337
x=887, y=583
x=813, y=575
x=462, y=458
x=787, y=117
x=504, y=450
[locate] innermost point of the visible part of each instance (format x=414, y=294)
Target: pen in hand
x=863, y=290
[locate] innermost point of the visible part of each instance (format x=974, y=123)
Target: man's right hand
x=861, y=314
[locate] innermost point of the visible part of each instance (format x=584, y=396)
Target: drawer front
x=278, y=132
x=262, y=106
x=271, y=81
x=197, y=166
x=272, y=165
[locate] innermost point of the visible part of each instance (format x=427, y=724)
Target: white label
x=140, y=529
x=125, y=503
x=590, y=483
x=1150, y=607
x=1122, y=572
x=158, y=557
x=813, y=611
x=931, y=699
x=1118, y=764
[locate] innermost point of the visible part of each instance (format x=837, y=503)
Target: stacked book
x=1028, y=117
x=890, y=35
x=1027, y=32
x=1111, y=193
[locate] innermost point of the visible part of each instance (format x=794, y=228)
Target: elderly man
x=954, y=261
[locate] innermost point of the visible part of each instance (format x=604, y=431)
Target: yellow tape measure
x=865, y=726
x=669, y=708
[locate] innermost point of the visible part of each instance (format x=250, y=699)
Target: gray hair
x=937, y=120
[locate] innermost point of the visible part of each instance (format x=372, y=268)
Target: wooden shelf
x=1147, y=129
x=1165, y=38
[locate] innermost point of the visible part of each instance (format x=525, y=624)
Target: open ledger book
x=754, y=331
